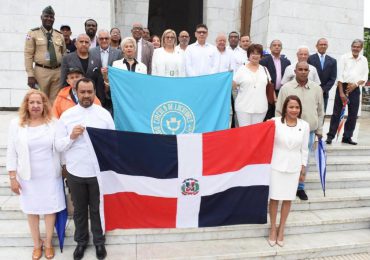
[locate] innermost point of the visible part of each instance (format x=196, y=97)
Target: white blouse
x=167, y=64
x=251, y=96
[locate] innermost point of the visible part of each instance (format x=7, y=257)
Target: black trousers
x=353, y=106
x=86, y=199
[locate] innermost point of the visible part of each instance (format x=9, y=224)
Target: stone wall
x=18, y=17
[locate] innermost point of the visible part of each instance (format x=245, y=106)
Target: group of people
x=73, y=84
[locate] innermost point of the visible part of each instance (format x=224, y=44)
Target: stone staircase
x=335, y=225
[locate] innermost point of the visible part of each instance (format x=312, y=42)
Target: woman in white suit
x=288, y=164
x=166, y=61
x=129, y=48
x=34, y=168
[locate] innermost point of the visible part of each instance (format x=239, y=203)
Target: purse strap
x=266, y=74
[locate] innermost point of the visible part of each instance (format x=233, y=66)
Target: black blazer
x=268, y=62
x=328, y=75
x=71, y=60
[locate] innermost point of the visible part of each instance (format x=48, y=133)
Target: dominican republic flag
x=164, y=105
x=180, y=181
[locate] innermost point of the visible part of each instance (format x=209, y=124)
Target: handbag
x=270, y=90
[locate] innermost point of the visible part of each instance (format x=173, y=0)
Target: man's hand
x=350, y=87
x=31, y=82
x=77, y=131
x=319, y=136
x=343, y=97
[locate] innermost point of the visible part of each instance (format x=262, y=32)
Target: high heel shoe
x=37, y=252
x=272, y=242
x=280, y=243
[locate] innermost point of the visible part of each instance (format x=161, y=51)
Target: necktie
x=51, y=50
x=322, y=60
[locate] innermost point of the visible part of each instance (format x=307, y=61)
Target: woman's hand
x=302, y=176
x=15, y=186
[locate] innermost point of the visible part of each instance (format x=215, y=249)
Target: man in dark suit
x=326, y=67
x=80, y=59
x=104, y=55
x=145, y=49
x=276, y=65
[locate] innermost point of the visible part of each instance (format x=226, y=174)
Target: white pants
x=245, y=119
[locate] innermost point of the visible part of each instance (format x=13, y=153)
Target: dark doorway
x=176, y=15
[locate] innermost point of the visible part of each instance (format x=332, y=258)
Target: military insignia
x=190, y=187
x=28, y=37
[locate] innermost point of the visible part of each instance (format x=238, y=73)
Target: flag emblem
x=173, y=118
x=190, y=187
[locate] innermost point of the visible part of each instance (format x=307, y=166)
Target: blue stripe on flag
x=238, y=205
x=135, y=154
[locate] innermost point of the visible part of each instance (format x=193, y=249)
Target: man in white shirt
x=352, y=74
x=200, y=56
x=239, y=54
x=71, y=139
x=225, y=60
x=302, y=55
x=184, y=39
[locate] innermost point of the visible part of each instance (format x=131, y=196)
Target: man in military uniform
x=44, y=47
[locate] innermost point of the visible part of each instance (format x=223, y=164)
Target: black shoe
x=329, y=140
x=348, y=141
x=302, y=195
x=101, y=253
x=79, y=252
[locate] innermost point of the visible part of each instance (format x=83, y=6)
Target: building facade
x=294, y=22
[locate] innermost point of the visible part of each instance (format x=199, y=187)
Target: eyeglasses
x=104, y=38
x=184, y=36
x=202, y=32
x=169, y=37
x=137, y=28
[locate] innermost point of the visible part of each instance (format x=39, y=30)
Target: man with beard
x=91, y=27
x=184, y=39
x=44, y=47
x=145, y=49
x=81, y=174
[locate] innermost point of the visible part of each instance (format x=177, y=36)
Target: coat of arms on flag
x=178, y=181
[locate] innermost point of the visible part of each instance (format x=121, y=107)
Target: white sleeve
x=11, y=153
x=63, y=140
x=304, y=147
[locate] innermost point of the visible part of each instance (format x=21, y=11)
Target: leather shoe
x=79, y=252
x=329, y=140
x=348, y=141
x=302, y=195
x=101, y=253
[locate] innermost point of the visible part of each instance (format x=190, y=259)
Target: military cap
x=48, y=10
x=65, y=26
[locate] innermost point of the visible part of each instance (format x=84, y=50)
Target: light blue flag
x=162, y=105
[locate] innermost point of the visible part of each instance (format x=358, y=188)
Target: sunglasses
x=202, y=32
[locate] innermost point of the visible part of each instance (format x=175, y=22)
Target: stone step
x=16, y=232
x=334, y=199
x=360, y=256
x=306, y=246
x=344, y=163
x=347, y=150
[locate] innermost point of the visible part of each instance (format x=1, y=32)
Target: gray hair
x=82, y=34
x=303, y=47
x=103, y=31
x=358, y=41
x=128, y=40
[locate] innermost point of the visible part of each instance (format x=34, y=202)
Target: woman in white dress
x=129, y=48
x=166, y=61
x=288, y=164
x=250, y=81
x=34, y=168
